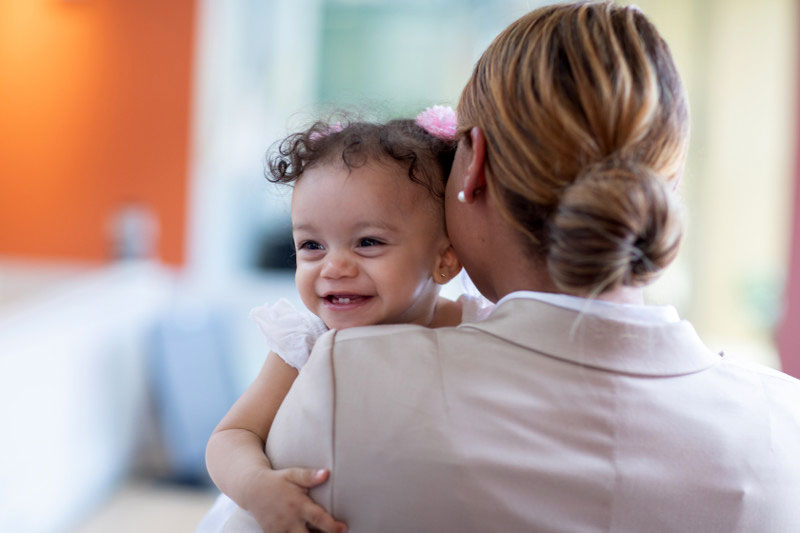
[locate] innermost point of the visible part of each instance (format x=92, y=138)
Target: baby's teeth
x=343, y=300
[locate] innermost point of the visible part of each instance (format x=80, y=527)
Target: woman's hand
x=279, y=501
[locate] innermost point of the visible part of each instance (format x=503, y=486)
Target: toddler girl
x=368, y=228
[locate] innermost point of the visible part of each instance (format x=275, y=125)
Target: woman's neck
x=623, y=295
x=505, y=263
x=523, y=273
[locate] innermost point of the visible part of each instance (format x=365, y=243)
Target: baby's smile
x=345, y=300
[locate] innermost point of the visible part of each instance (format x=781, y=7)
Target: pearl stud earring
x=462, y=197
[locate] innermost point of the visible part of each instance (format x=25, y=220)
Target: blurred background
x=137, y=230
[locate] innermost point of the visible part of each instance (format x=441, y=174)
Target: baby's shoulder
x=448, y=313
x=467, y=308
x=474, y=308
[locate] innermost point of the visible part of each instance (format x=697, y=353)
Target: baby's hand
x=279, y=501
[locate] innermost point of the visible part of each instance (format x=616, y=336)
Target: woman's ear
x=447, y=265
x=475, y=181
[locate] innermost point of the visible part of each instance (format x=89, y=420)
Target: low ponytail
x=619, y=223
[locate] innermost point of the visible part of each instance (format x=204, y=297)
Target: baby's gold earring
x=443, y=274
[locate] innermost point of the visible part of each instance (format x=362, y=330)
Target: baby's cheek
x=304, y=281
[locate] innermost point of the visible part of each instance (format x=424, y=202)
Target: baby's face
x=368, y=243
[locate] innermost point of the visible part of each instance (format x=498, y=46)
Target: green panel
x=390, y=59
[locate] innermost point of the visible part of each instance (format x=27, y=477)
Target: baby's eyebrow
x=358, y=226
x=302, y=227
x=375, y=224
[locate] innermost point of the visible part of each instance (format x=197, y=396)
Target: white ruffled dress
x=291, y=334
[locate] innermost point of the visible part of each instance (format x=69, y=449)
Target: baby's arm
x=466, y=309
x=235, y=458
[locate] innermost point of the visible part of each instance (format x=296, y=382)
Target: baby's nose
x=339, y=265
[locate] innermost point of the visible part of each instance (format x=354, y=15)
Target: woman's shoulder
x=766, y=379
x=377, y=331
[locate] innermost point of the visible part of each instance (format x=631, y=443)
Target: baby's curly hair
x=428, y=158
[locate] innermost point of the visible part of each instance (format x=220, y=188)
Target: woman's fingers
x=306, y=477
x=317, y=519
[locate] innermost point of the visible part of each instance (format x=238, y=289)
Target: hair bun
x=617, y=224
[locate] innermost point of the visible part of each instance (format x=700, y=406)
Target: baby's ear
x=447, y=265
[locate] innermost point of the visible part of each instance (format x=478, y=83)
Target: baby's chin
x=343, y=320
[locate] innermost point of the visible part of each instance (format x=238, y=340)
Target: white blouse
x=651, y=314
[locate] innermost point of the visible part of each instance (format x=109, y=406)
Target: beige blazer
x=539, y=419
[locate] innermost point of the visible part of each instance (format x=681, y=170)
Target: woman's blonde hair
x=586, y=126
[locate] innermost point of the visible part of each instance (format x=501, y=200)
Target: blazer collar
x=630, y=347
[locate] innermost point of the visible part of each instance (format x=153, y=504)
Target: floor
x=152, y=507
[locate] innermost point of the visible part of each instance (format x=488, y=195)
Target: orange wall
x=94, y=114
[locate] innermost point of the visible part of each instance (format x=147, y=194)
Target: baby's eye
x=309, y=245
x=369, y=241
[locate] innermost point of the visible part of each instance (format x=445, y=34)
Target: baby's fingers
x=305, y=477
x=318, y=519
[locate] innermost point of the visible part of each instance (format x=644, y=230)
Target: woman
x=573, y=407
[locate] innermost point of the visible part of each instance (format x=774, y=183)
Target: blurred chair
x=193, y=385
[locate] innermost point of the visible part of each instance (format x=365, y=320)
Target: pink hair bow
x=439, y=121
x=333, y=128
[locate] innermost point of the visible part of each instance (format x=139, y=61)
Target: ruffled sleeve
x=289, y=333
